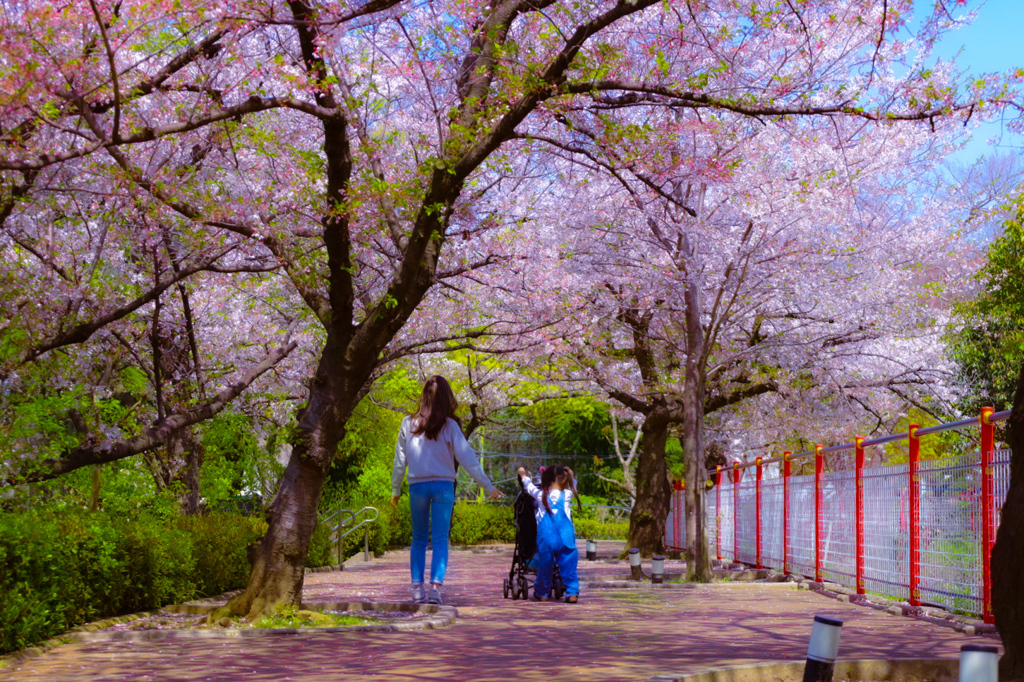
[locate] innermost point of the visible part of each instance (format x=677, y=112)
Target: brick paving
x=612, y=634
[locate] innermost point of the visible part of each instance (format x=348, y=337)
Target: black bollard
x=591, y=550
x=823, y=649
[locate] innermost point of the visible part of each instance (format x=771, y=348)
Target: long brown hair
x=565, y=480
x=437, y=406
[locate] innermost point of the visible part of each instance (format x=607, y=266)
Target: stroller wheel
x=505, y=588
x=524, y=589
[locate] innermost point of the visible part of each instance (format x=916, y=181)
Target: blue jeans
x=432, y=500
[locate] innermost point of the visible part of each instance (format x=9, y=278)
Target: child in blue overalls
x=556, y=537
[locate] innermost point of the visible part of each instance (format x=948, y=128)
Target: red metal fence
x=921, y=531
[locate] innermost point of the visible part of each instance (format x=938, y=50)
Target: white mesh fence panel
x=839, y=527
x=747, y=526
x=726, y=519
x=771, y=519
x=887, y=530
x=1001, y=478
x=801, y=524
x=950, y=522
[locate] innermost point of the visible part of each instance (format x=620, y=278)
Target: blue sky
x=993, y=43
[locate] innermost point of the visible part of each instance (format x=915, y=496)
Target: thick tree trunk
x=279, y=559
x=1008, y=553
x=653, y=490
x=698, y=559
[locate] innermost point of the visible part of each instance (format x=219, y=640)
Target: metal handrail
x=882, y=440
x=348, y=522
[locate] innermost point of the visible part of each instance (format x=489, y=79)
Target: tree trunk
x=698, y=560
x=692, y=440
x=1008, y=553
x=694, y=392
x=279, y=559
x=177, y=465
x=653, y=490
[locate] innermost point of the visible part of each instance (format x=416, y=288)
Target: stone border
x=935, y=616
x=636, y=585
x=881, y=670
x=91, y=632
x=443, y=617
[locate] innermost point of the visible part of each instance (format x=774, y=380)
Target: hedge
x=58, y=570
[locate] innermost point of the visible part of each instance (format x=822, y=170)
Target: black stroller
x=518, y=583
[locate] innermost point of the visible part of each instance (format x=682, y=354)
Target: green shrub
x=321, y=547
x=473, y=523
x=58, y=570
x=591, y=529
x=221, y=543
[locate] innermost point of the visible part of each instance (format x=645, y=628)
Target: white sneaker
x=434, y=596
x=418, y=595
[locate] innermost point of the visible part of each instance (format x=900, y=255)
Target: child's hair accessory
x=543, y=469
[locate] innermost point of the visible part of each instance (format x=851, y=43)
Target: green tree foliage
x=239, y=468
x=986, y=339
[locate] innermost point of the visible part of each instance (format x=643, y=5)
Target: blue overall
x=556, y=543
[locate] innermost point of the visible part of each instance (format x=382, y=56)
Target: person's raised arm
x=468, y=460
x=531, y=490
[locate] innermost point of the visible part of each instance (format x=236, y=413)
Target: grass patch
x=635, y=596
x=296, y=618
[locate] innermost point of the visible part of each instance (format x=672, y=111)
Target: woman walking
x=431, y=444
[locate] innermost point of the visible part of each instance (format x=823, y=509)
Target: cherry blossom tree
x=762, y=265
x=342, y=161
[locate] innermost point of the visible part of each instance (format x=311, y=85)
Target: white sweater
x=434, y=460
x=554, y=499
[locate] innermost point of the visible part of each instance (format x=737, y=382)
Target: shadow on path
x=609, y=635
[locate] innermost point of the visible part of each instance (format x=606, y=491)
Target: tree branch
x=152, y=436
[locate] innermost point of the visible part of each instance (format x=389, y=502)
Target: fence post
x=987, y=512
x=718, y=512
x=819, y=468
x=859, y=454
x=915, y=516
x=735, y=511
x=757, y=515
x=786, y=471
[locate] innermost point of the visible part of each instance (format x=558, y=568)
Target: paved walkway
x=610, y=635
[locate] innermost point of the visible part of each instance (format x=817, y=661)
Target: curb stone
x=958, y=622
x=91, y=632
